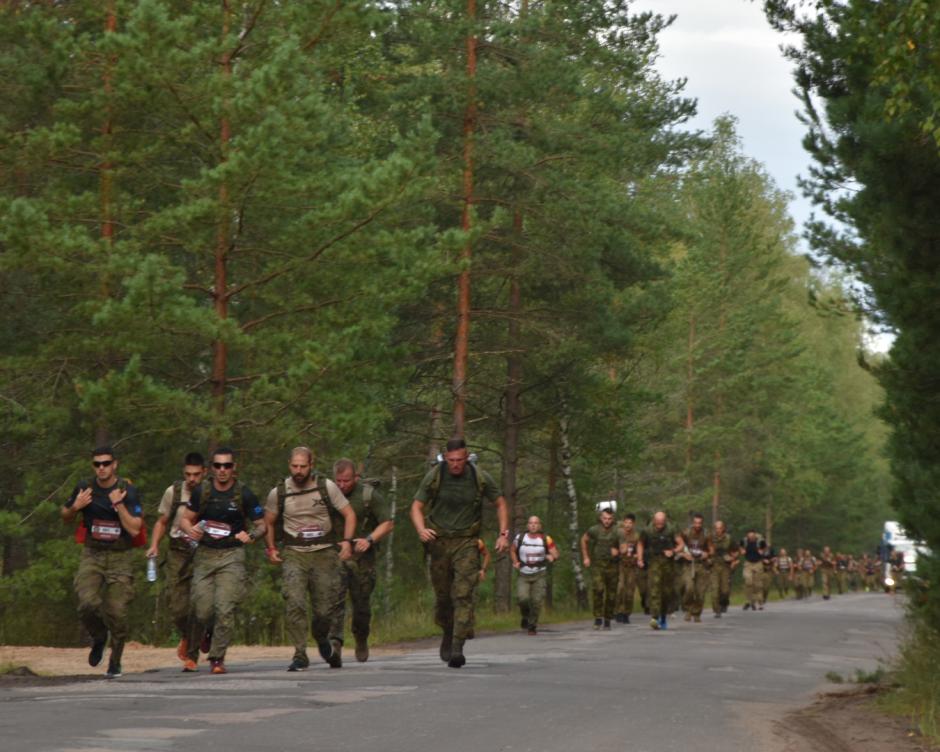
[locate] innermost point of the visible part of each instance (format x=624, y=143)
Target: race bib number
x=217, y=530
x=534, y=561
x=105, y=530
x=631, y=549
x=696, y=552
x=311, y=533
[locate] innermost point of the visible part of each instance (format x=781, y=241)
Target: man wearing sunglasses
x=111, y=513
x=223, y=507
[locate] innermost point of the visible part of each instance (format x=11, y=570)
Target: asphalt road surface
x=703, y=687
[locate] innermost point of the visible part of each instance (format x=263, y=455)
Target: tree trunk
x=511, y=428
x=573, y=527
x=689, y=408
x=550, y=511
x=223, y=236
x=462, y=339
x=389, y=544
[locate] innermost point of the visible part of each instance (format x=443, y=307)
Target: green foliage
x=864, y=74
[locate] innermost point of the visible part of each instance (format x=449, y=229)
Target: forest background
x=366, y=227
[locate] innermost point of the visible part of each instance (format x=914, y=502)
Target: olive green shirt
x=368, y=518
x=456, y=507
x=601, y=540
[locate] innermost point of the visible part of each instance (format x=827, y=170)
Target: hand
x=83, y=499
x=640, y=563
x=195, y=532
x=345, y=550
x=243, y=537
x=273, y=556
x=587, y=562
x=482, y=575
x=427, y=535
x=516, y=564
x=669, y=553
x=502, y=543
x=152, y=552
x=362, y=545
x=117, y=496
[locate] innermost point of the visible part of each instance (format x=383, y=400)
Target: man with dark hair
x=600, y=552
x=358, y=572
x=312, y=559
x=111, y=514
x=178, y=564
x=697, y=558
x=223, y=507
x=447, y=513
x=627, y=582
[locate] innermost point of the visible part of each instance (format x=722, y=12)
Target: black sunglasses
x=221, y=465
x=101, y=463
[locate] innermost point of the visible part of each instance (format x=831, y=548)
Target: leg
x=338, y=612
x=442, y=577
x=536, y=597
x=294, y=591
x=629, y=587
x=229, y=591
x=323, y=581
x=524, y=598
x=361, y=585
x=466, y=563
x=179, y=578
x=119, y=591
x=597, y=589
x=89, y=586
x=611, y=575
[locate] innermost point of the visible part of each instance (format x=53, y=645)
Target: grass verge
x=917, y=694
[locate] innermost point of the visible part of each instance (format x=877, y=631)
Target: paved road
x=710, y=686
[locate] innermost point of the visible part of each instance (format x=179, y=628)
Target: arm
x=159, y=528
x=585, y=559
x=640, y=549
x=485, y=562
x=678, y=545
x=129, y=522
x=502, y=514
x=349, y=530
x=514, y=555
x=383, y=529
x=270, y=549
x=82, y=500
x=188, y=524
x=417, y=519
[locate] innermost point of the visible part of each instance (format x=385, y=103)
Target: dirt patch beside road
x=48, y=665
x=847, y=721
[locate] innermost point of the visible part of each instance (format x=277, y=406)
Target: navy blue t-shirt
x=752, y=549
x=224, y=513
x=103, y=525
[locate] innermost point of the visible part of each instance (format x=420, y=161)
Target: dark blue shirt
x=101, y=520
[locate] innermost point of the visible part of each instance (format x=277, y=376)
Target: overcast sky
x=732, y=60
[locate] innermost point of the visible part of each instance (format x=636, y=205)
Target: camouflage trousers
x=767, y=579
x=357, y=579
x=626, y=588
x=604, y=576
x=530, y=593
x=455, y=574
x=782, y=580
x=104, y=584
x=218, y=587
x=871, y=582
x=828, y=577
x=721, y=585
x=804, y=583
x=319, y=575
x=642, y=584
x=696, y=580
x=753, y=582
x=661, y=583
x=842, y=582
x=178, y=568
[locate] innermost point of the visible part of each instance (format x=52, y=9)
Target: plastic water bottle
x=152, y=569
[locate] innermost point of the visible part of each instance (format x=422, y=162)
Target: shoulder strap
x=177, y=501
x=367, y=490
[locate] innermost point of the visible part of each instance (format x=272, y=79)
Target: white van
x=895, y=536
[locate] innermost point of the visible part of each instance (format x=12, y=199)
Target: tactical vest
x=324, y=494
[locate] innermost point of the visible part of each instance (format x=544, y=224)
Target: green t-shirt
x=601, y=539
x=456, y=507
x=368, y=518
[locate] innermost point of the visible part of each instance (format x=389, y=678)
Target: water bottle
x=152, y=569
x=192, y=541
